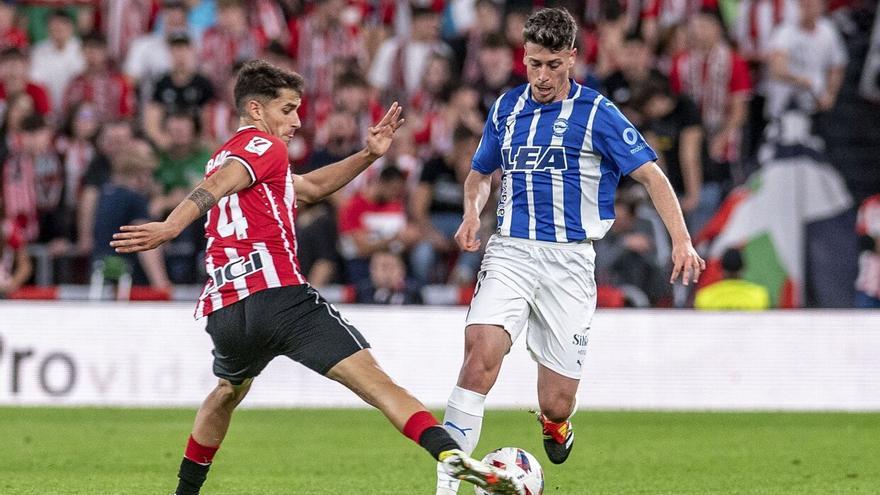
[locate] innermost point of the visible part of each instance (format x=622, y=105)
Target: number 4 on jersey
x=233, y=221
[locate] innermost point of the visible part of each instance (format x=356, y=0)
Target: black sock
x=436, y=440
x=192, y=475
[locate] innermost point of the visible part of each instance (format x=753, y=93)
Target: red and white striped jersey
x=251, y=240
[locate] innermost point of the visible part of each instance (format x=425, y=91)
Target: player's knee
x=557, y=406
x=226, y=395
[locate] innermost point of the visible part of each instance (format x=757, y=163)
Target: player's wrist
x=369, y=156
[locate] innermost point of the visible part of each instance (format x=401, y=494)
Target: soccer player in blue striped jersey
x=561, y=148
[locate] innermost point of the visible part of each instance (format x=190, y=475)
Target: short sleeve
x=488, y=155
x=264, y=157
x=617, y=140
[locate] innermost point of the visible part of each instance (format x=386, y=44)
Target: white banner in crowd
x=156, y=355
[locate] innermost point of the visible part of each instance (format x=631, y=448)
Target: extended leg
x=557, y=397
x=484, y=349
x=211, y=425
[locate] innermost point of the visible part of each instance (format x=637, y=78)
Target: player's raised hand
x=137, y=238
x=686, y=262
x=466, y=236
x=381, y=134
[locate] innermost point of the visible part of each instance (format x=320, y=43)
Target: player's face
x=279, y=116
x=548, y=72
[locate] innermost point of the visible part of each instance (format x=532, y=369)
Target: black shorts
x=293, y=321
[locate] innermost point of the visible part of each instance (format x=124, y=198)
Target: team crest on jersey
x=258, y=145
x=559, y=127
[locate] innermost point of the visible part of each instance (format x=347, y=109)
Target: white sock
x=463, y=421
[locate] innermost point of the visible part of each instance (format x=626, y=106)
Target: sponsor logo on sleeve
x=258, y=145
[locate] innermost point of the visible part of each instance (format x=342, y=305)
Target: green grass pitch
x=137, y=451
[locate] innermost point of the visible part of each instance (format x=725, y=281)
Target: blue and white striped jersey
x=561, y=163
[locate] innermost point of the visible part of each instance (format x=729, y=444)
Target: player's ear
x=254, y=110
x=572, y=57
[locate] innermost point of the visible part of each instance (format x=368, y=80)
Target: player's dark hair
x=261, y=80
x=554, y=29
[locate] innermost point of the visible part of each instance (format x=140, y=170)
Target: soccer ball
x=521, y=464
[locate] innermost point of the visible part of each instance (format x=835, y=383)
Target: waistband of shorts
x=567, y=246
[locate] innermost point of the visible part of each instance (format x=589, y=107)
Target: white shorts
x=545, y=287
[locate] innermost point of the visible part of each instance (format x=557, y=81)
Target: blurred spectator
x=868, y=229
x=219, y=117
x=671, y=125
x=459, y=108
x=437, y=205
x=717, y=79
x=15, y=264
x=398, y=66
x=317, y=237
x=149, y=56
x=76, y=145
x=11, y=36
x=181, y=165
x=231, y=40
x=374, y=219
x=514, y=22
x=182, y=90
x=339, y=137
x=320, y=37
x=387, y=283
x=33, y=180
x=14, y=80
x=625, y=256
x=122, y=202
x=807, y=62
x=123, y=21
x=755, y=23
x=634, y=69
x=114, y=139
x=496, y=71
x=732, y=292
x=352, y=95
x=488, y=20
x=58, y=59
x=660, y=15
x=100, y=83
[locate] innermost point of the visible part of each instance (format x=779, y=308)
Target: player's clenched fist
x=466, y=236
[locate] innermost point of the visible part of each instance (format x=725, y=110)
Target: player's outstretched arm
x=685, y=259
x=317, y=185
x=477, y=188
x=230, y=178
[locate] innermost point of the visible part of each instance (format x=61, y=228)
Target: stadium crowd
x=109, y=110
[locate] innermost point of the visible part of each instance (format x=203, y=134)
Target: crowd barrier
x=155, y=354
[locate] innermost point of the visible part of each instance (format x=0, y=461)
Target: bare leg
x=212, y=420
x=362, y=375
x=556, y=394
x=484, y=349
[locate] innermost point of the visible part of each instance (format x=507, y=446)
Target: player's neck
x=246, y=122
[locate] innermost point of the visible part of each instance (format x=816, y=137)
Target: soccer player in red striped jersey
x=257, y=301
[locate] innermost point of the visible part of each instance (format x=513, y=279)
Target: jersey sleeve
x=488, y=155
x=264, y=157
x=617, y=140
